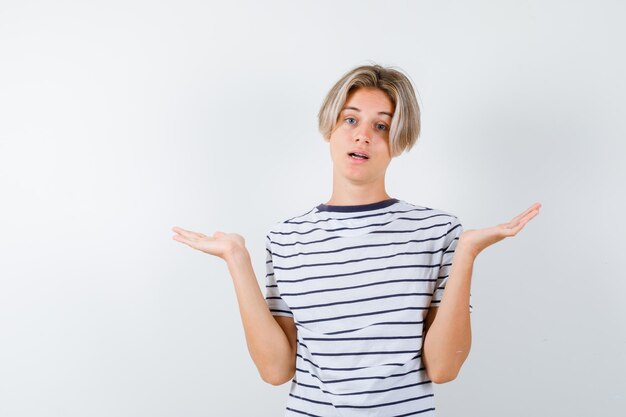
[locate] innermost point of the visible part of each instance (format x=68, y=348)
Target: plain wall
x=122, y=119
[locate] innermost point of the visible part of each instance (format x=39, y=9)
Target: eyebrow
x=354, y=108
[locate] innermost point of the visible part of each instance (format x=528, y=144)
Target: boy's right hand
x=220, y=244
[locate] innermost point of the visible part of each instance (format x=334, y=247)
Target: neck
x=350, y=194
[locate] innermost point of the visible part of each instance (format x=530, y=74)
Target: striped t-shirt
x=358, y=281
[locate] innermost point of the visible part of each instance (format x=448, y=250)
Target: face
x=362, y=126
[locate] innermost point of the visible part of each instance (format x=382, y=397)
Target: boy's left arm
x=448, y=333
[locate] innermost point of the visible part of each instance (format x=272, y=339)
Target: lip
x=359, y=151
x=356, y=161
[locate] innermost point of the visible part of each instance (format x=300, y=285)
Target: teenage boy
x=367, y=299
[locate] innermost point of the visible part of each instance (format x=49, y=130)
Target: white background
x=122, y=119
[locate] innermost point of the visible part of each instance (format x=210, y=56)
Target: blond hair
x=405, y=123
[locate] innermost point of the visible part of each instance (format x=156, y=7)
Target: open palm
x=220, y=244
x=477, y=240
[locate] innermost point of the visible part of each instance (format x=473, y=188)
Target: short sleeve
x=450, y=242
x=276, y=304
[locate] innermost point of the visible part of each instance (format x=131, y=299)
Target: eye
x=350, y=118
x=384, y=126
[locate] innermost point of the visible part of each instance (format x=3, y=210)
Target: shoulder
x=433, y=212
x=288, y=226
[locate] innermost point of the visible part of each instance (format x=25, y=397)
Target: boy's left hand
x=475, y=241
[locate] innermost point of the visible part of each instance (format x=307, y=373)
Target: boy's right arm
x=271, y=339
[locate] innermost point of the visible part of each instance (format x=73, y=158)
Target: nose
x=362, y=135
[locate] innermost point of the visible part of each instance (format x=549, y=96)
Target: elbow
x=277, y=378
x=443, y=377
x=443, y=374
x=441, y=370
x=275, y=371
x=273, y=380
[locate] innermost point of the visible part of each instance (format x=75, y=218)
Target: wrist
x=236, y=254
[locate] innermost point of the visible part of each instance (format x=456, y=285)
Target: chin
x=357, y=176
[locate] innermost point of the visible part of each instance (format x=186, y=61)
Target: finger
x=184, y=240
x=188, y=233
x=523, y=221
x=180, y=230
x=525, y=212
x=515, y=221
x=529, y=216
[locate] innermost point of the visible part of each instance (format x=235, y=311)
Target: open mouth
x=357, y=155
